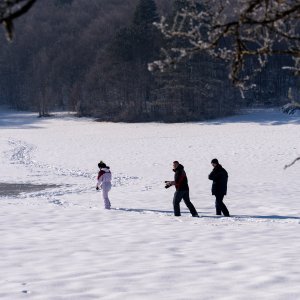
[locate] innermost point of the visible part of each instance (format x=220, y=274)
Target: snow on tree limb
x=244, y=32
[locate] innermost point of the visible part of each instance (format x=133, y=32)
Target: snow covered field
x=57, y=241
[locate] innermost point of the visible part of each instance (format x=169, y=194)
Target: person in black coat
x=182, y=190
x=219, y=176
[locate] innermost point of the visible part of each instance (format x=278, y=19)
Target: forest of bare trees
x=92, y=57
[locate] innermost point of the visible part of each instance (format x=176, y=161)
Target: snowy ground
x=57, y=241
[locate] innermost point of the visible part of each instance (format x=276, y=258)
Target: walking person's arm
x=214, y=175
x=169, y=183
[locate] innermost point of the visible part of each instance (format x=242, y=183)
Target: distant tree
x=137, y=41
x=127, y=79
x=145, y=14
x=120, y=87
x=63, y=2
x=196, y=88
x=10, y=10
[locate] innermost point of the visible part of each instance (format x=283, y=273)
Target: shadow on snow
x=170, y=212
x=13, y=120
x=143, y=211
x=259, y=116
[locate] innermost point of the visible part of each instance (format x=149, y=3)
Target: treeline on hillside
x=91, y=56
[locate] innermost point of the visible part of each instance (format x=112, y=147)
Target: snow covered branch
x=244, y=33
x=10, y=10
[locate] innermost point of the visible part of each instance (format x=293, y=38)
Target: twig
x=289, y=165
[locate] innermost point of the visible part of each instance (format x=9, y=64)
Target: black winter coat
x=181, y=181
x=219, y=176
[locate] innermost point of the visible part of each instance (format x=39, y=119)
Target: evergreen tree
x=146, y=42
x=63, y=2
x=132, y=49
x=145, y=14
x=140, y=41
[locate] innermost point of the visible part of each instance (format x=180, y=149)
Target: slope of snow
x=59, y=242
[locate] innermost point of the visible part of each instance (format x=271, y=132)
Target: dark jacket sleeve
x=212, y=175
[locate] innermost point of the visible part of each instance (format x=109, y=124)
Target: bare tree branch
x=12, y=9
x=255, y=30
x=289, y=165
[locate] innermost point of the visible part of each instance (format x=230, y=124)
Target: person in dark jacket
x=182, y=190
x=219, y=176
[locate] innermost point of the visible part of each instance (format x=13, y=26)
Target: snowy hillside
x=57, y=241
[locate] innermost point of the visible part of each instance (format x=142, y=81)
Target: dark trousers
x=220, y=206
x=185, y=195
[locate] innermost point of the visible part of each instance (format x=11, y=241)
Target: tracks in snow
x=21, y=153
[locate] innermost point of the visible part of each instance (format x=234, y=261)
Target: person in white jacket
x=104, y=182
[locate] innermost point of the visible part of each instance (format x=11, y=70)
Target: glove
x=97, y=188
x=168, y=184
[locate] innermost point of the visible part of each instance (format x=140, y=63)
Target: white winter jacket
x=104, y=175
